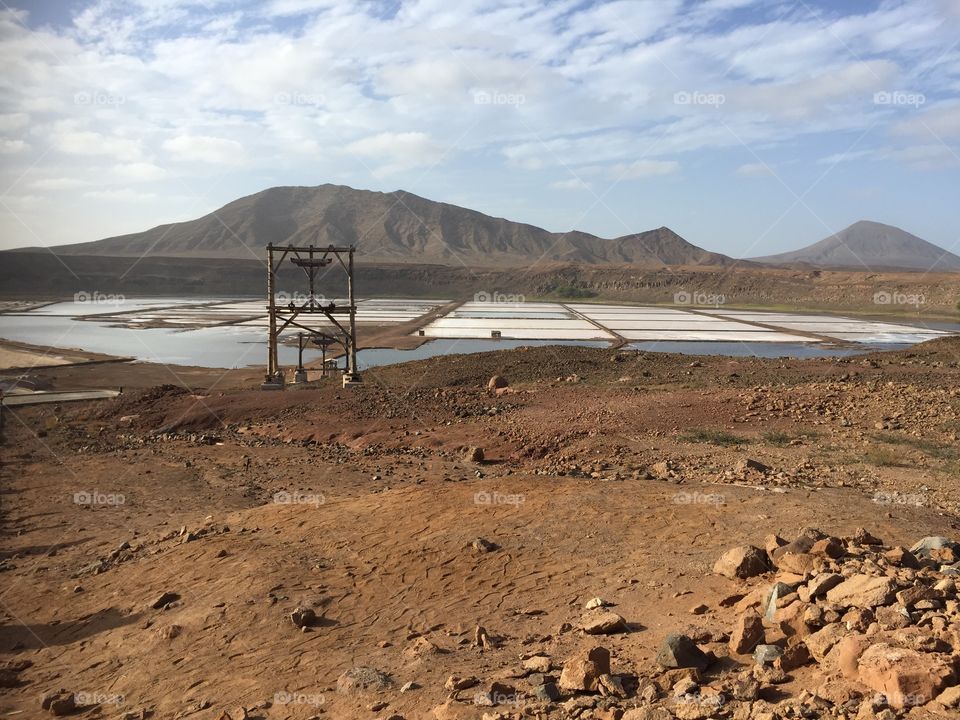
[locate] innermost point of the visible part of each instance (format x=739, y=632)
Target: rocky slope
x=395, y=227
x=869, y=246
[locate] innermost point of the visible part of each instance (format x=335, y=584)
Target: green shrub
x=714, y=437
x=570, y=291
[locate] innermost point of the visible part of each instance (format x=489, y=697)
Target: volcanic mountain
x=396, y=227
x=867, y=245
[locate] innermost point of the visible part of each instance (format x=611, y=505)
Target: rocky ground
x=596, y=534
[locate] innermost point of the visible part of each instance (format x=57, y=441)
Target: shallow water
x=225, y=346
x=537, y=324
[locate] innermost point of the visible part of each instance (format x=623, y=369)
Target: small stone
x=482, y=639
x=537, y=664
x=766, y=654
x=362, y=679
x=750, y=464
x=482, y=545
x=548, y=692
x=611, y=686
x=408, y=686
x=862, y=537
x=822, y=583
x=455, y=682
x=498, y=694
x=420, y=647
x=699, y=609
x=744, y=687
x=950, y=697
x=594, y=603
x=59, y=703
x=794, y=656
x=830, y=547
x=303, y=617
x=901, y=557
x=170, y=632
x=474, y=454
x=679, y=651
x=602, y=622
x=821, y=642
x=164, y=600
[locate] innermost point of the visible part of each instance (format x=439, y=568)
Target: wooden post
x=272, y=358
x=353, y=372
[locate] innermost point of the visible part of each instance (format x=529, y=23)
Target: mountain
x=867, y=245
x=388, y=227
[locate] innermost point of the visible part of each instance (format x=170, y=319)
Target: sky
x=748, y=127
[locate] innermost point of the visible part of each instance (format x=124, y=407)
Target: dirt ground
x=605, y=473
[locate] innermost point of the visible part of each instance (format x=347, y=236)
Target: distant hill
x=395, y=227
x=867, y=245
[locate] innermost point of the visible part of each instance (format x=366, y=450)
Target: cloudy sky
x=749, y=127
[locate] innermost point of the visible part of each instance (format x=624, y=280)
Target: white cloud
x=847, y=156
x=934, y=156
x=754, y=170
x=570, y=184
x=12, y=147
x=144, y=171
x=120, y=195
x=938, y=121
x=205, y=149
x=392, y=152
x=13, y=121
x=644, y=169
x=86, y=142
x=293, y=89
x=59, y=183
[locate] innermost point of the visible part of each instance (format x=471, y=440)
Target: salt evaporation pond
x=230, y=332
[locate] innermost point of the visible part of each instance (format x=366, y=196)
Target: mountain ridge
x=398, y=227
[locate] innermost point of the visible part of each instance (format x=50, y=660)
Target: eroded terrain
x=197, y=546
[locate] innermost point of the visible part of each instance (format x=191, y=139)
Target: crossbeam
x=310, y=258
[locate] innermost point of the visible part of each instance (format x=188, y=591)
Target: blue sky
x=748, y=127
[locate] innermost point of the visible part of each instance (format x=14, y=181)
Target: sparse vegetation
x=782, y=439
x=884, y=457
x=714, y=437
x=573, y=292
x=776, y=437
x=932, y=449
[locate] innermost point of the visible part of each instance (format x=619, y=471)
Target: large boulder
x=933, y=546
x=583, y=670
x=863, y=591
x=746, y=633
x=906, y=677
x=742, y=562
x=497, y=382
